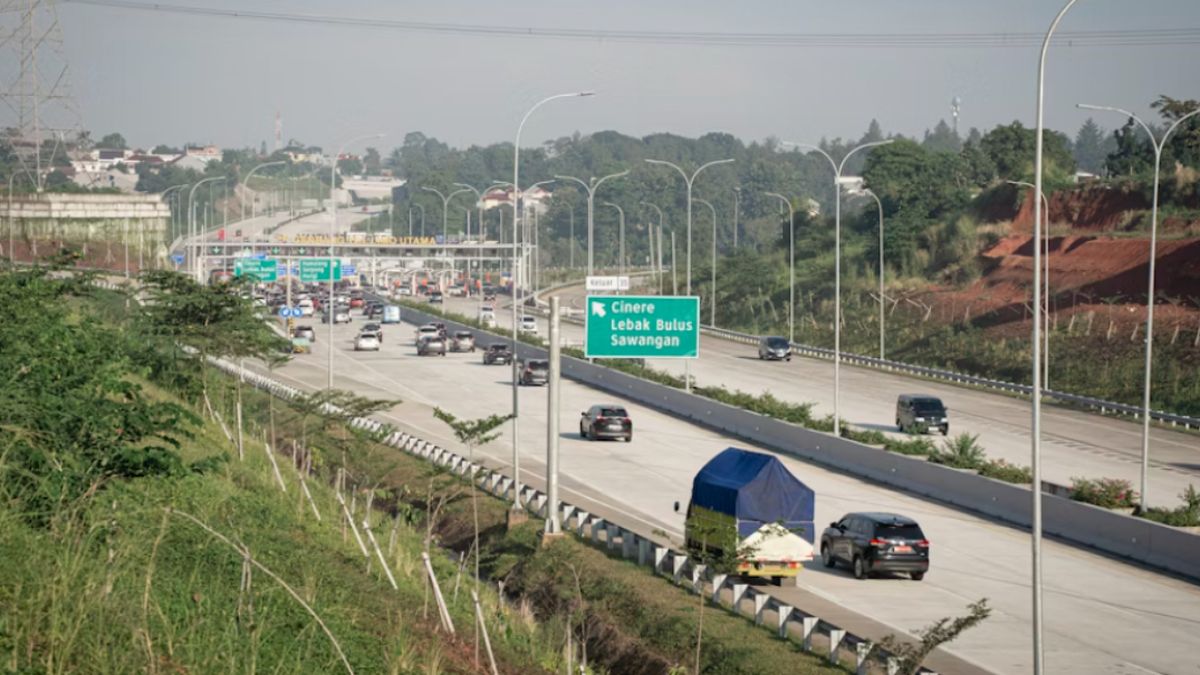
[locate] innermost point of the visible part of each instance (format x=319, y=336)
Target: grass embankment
x=629, y=620
x=132, y=585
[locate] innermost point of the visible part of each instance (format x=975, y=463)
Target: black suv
x=497, y=353
x=918, y=413
x=605, y=421
x=534, y=371
x=876, y=542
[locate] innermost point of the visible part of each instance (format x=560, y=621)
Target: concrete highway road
x=1074, y=443
x=1102, y=616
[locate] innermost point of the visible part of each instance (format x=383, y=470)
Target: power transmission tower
x=37, y=111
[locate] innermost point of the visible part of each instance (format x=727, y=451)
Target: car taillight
x=877, y=542
x=601, y=419
x=626, y=420
x=924, y=543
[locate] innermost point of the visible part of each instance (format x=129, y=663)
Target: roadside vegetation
x=136, y=537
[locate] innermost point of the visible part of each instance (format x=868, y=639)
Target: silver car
x=433, y=345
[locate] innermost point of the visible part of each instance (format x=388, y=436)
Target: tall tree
x=1089, y=147
x=113, y=141
x=942, y=139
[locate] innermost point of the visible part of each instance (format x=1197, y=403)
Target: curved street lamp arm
x=810, y=146
x=864, y=146
x=662, y=162
x=618, y=174
x=708, y=164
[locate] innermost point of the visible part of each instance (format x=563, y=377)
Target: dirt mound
x=1099, y=267
x=1097, y=209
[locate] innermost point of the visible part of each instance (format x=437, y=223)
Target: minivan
x=918, y=413
x=775, y=348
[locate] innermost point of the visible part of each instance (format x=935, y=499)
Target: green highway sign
x=262, y=270
x=642, y=326
x=317, y=269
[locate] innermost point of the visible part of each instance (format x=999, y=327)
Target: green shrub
x=871, y=437
x=910, y=446
x=1187, y=515
x=1110, y=493
x=1009, y=473
x=961, y=452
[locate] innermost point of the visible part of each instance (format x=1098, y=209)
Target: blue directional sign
x=349, y=270
x=177, y=258
x=259, y=256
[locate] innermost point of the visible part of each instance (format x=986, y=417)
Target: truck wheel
x=860, y=567
x=827, y=557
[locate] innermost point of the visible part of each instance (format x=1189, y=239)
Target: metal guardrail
x=790, y=622
x=1104, y=407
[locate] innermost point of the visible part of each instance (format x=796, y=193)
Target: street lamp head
x=586, y=93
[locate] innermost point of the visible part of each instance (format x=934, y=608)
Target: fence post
x=836, y=637
x=760, y=606
x=862, y=650
x=718, y=582
x=785, y=613
x=808, y=626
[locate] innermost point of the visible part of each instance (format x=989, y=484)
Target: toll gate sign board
x=642, y=327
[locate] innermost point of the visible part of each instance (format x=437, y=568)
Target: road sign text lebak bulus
x=642, y=327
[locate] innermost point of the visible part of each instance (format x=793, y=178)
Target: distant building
x=535, y=199
x=1085, y=177
x=207, y=153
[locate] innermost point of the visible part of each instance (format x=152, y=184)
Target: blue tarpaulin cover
x=755, y=489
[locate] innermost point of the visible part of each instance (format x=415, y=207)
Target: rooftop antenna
x=38, y=109
x=955, y=106
x=278, y=132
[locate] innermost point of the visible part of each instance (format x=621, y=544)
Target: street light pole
x=246, y=185
x=1044, y=311
x=688, y=180
x=791, y=264
x=660, y=225
x=590, y=187
x=712, y=299
x=879, y=205
x=528, y=236
x=1035, y=430
x=1158, y=148
x=421, y=208
x=737, y=208
x=195, y=262
x=516, y=182
x=331, y=306
x=620, y=238
x=837, y=274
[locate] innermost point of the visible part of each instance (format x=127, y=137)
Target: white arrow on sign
x=598, y=309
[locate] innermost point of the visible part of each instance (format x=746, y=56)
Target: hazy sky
x=159, y=77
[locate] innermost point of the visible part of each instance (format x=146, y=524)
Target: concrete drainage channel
x=812, y=633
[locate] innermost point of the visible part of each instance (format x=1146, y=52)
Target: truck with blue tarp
x=746, y=506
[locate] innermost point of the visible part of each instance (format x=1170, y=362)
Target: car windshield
x=539, y=365
x=462, y=335
x=895, y=531
x=613, y=412
x=777, y=342
x=929, y=405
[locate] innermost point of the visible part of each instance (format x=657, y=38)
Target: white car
x=528, y=325
x=487, y=316
x=342, y=316
x=456, y=291
x=404, y=290
x=366, y=342
x=428, y=330
x=306, y=307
